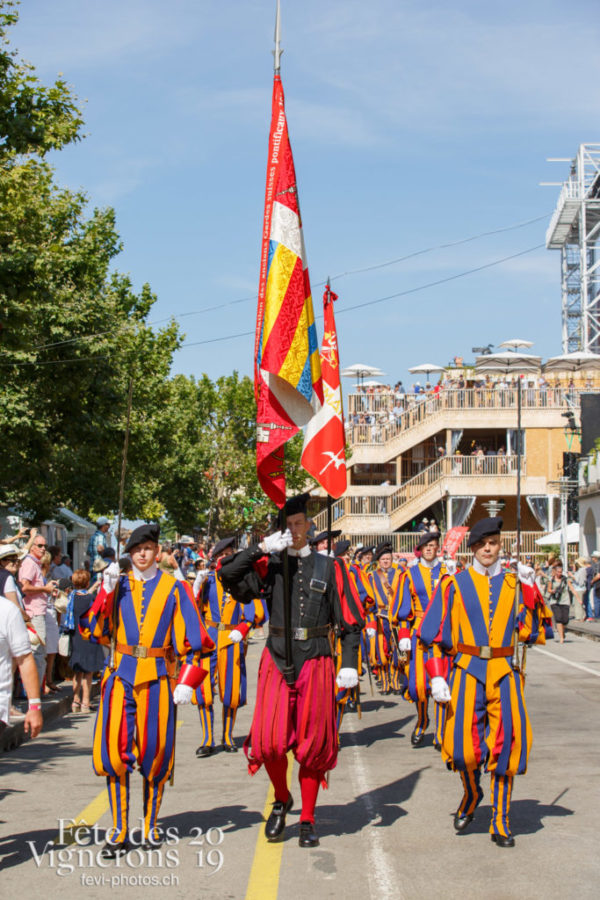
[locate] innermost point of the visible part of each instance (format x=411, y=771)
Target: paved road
x=385, y=823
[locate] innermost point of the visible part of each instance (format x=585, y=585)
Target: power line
x=218, y=306
x=414, y=290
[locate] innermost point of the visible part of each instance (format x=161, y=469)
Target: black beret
x=221, y=545
x=382, y=548
x=293, y=506
x=484, y=528
x=364, y=550
x=150, y=531
x=322, y=536
x=428, y=536
x=341, y=547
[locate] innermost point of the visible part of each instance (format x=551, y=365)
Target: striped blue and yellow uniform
x=487, y=723
x=135, y=721
x=414, y=590
x=384, y=655
x=221, y=615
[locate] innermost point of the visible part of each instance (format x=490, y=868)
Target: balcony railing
x=447, y=467
x=377, y=418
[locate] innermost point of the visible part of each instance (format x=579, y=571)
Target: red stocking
x=277, y=769
x=309, y=788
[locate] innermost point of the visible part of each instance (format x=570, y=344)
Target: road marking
x=568, y=662
x=89, y=816
x=263, y=883
x=92, y=813
x=383, y=883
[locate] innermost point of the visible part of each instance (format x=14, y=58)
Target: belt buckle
x=485, y=653
x=221, y=627
x=140, y=652
x=300, y=634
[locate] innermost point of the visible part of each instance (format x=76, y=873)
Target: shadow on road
x=380, y=808
x=365, y=737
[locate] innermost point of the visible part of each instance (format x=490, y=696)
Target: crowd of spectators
x=377, y=412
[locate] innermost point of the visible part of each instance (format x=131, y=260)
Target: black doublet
x=244, y=583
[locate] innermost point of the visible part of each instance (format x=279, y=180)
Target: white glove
x=450, y=566
x=236, y=636
x=347, y=678
x=110, y=577
x=275, y=543
x=182, y=694
x=440, y=690
x=526, y=574
x=405, y=645
x=371, y=632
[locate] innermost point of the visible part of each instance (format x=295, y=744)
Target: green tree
x=209, y=469
x=72, y=333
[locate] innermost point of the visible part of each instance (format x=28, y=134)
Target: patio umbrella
x=578, y=361
x=426, y=368
x=516, y=344
x=370, y=383
x=360, y=371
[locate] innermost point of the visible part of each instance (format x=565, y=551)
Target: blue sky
x=413, y=124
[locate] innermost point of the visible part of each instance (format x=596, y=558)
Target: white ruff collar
x=144, y=576
x=303, y=551
x=491, y=571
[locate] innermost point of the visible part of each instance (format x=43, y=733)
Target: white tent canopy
x=578, y=361
x=555, y=537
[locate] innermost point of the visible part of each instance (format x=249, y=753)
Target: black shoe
x=230, y=748
x=503, y=841
x=151, y=845
x=351, y=706
x=437, y=746
x=417, y=739
x=461, y=823
x=308, y=835
x=112, y=851
x=276, y=821
x=201, y=752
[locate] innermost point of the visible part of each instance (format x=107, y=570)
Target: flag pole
x=288, y=672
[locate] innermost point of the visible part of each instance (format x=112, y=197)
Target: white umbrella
x=359, y=370
x=579, y=361
x=507, y=362
x=426, y=368
x=516, y=344
x=370, y=383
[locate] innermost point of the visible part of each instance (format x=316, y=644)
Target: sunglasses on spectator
x=40, y=545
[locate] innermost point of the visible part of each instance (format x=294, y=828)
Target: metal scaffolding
x=575, y=231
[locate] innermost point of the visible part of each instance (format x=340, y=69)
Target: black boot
x=112, y=851
x=202, y=752
x=502, y=840
x=461, y=823
x=308, y=835
x=276, y=822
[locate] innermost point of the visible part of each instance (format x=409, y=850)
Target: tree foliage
x=74, y=334
x=209, y=474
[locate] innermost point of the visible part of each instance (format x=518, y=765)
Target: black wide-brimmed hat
x=221, y=545
x=341, y=548
x=293, y=506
